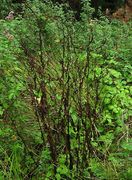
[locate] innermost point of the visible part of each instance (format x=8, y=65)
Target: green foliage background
x=65, y=95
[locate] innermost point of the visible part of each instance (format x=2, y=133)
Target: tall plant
x=67, y=101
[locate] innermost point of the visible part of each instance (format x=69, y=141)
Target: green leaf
x=58, y=177
x=115, y=73
x=1, y=110
x=127, y=146
x=62, y=169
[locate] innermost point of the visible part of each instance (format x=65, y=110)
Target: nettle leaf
x=46, y=154
x=62, y=159
x=94, y=144
x=107, y=100
x=97, y=168
x=1, y=132
x=108, y=79
x=62, y=169
x=82, y=56
x=73, y=114
x=49, y=174
x=1, y=110
x=58, y=176
x=127, y=146
x=107, y=138
x=98, y=71
x=14, y=92
x=58, y=97
x=112, y=61
x=96, y=56
x=115, y=160
x=74, y=143
x=114, y=73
